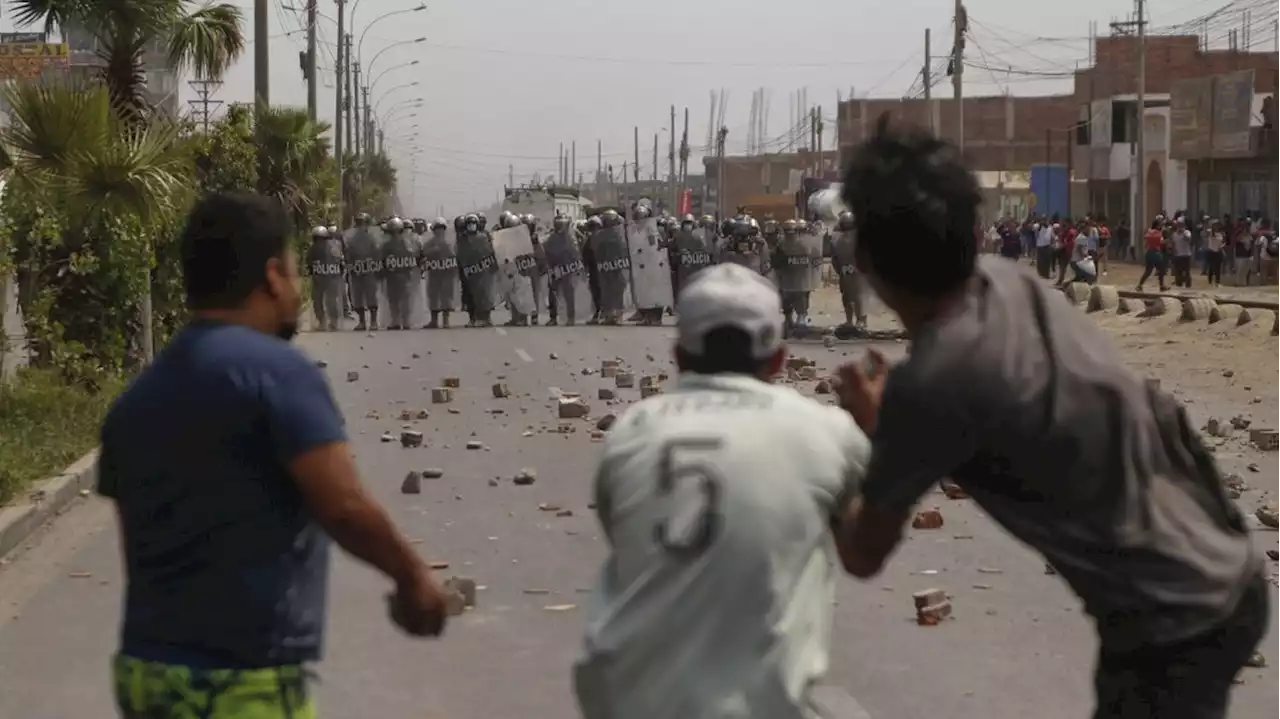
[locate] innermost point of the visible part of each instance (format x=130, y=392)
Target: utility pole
x=1138, y=203
x=1141, y=203
x=203, y=105
x=671, y=163
x=599, y=167
x=926, y=76
x=820, y=127
x=368, y=124
x=560, y=163
x=511, y=176
x=573, y=163
x=684, y=155
x=720, y=136
x=355, y=100
x=311, y=59
x=349, y=103
x=653, y=173
x=957, y=71
x=635, y=150
x=261, y=54
x=339, y=106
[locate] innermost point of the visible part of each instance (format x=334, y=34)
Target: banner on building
x=1191, y=118
x=1100, y=123
x=24, y=60
x=686, y=203
x=1232, y=111
x=27, y=37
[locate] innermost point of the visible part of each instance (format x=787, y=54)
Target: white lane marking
x=501, y=332
x=523, y=355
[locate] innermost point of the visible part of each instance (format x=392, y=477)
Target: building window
x=1249, y=193
x=1215, y=198
x=1082, y=126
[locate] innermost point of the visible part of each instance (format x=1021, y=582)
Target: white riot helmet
x=610, y=218
x=394, y=224
x=319, y=232
x=560, y=223
x=789, y=227
x=507, y=219
x=333, y=230
x=439, y=225
x=845, y=220
x=471, y=223
x=641, y=211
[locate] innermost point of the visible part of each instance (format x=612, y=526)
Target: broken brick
x=572, y=408
x=501, y=391
x=412, y=484
x=441, y=395
x=927, y=519
x=451, y=382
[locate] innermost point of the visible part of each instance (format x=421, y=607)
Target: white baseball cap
x=729, y=295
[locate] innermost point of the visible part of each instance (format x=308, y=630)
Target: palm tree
x=205, y=39
x=86, y=191
x=295, y=165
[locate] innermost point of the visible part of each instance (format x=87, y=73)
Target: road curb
x=46, y=500
x=1250, y=318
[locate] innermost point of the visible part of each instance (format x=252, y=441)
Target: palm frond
x=207, y=40
x=141, y=172
x=50, y=123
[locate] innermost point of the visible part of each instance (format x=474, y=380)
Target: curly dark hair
x=915, y=203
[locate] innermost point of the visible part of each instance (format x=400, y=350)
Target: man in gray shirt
x=1023, y=402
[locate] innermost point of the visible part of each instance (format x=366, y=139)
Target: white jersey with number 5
x=716, y=599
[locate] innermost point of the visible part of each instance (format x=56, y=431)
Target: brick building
x=771, y=179
x=1092, y=130
x=1106, y=138
x=1001, y=133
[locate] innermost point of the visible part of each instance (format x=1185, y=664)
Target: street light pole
x=261, y=56
x=312, y=19
x=339, y=96
x=373, y=85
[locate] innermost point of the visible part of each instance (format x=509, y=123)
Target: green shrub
x=45, y=425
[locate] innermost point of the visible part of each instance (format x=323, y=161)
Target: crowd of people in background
x=1065, y=250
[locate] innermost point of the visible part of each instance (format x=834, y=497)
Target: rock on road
x=1018, y=644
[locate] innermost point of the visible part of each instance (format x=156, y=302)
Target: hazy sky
x=506, y=81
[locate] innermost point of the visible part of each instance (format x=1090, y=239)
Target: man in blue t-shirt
x=228, y=463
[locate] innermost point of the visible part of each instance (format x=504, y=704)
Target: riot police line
x=605, y=270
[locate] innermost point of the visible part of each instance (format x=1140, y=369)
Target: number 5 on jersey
x=684, y=464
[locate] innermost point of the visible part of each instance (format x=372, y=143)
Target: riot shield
x=567, y=278
x=402, y=280
x=650, y=273
x=440, y=270
x=513, y=253
x=795, y=261
x=364, y=267
x=692, y=255
x=479, y=271
x=613, y=269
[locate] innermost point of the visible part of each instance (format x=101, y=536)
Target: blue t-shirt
x=225, y=567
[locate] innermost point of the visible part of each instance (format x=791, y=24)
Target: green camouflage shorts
x=150, y=690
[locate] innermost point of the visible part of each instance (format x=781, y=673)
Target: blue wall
x=1051, y=185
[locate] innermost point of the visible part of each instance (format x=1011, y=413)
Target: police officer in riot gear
x=594, y=224
x=842, y=249
x=364, y=265
x=324, y=264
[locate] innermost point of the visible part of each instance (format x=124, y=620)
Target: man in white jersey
x=717, y=500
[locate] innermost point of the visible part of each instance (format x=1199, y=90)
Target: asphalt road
x=1018, y=645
